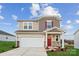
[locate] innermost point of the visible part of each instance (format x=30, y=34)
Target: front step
x=54, y=49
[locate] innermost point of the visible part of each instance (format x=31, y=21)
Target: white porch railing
x=56, y=43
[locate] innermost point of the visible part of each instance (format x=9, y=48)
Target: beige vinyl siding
x=40, y=25
x=56, y=23
x=20, y=25
x=35, y=25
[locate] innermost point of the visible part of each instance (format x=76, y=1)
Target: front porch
x=54, y=38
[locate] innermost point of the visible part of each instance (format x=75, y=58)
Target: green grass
x=6, y=45
x=69, y=52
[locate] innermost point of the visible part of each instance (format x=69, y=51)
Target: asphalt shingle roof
x=5, y=33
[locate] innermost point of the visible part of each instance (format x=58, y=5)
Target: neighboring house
x=4, y=36
x=69, y=42
x=76, y=39
x=43, y=32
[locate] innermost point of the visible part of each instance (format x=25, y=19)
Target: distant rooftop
x=5, y=33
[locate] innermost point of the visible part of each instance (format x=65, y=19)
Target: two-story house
x=43, y=32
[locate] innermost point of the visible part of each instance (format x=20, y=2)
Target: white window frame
x=49, y=21
x=56, y=37
x=27, y=25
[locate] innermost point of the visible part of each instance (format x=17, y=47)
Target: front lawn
x=6, y=45
x=69, y=52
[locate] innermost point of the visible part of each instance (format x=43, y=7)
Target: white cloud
x=68, y=33
x=77, y=21
x=68, y=27
x=34, y=13
x=1, y=7
x=50, y=11
x=69, y=36
x=36, y=7
x=8, y=24
x=69, y=21
x=77, y=13
x=37, y=11
x=22, y=9
x=61, y=25
x=1, y=17
x=14, y=17
x=44, y=5
x=34, y=10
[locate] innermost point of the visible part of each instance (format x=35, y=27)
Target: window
x=56, y=38
x=25, y=26
x=6, y=37
x=49, y=24
x=28, y=25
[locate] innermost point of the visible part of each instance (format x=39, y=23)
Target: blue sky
x=11, y=12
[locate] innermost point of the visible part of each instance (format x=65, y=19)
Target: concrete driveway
x=25, y=52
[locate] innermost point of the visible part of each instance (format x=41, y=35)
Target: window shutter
x=45, y=24
x=52, y=23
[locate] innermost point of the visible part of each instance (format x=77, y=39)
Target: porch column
x=46, y=39
x=62, y=38
x=62, y=43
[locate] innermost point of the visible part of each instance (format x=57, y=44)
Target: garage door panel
x=32, y=42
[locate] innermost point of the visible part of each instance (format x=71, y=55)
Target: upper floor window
x=49, y=24
x=28, y=25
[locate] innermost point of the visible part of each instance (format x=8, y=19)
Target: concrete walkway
x=25, y=52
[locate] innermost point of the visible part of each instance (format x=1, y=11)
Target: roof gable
x=54, y=29
x=76, y=31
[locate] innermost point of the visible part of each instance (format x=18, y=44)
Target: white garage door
x=36, y=41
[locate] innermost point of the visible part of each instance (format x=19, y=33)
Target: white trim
x=27, y=25
x=49, y=20
x=54, y=33
x=49, y=23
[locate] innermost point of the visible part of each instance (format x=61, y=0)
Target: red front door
x=49, y=42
